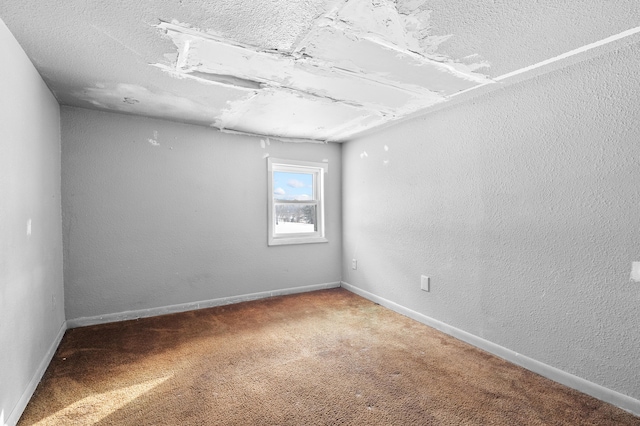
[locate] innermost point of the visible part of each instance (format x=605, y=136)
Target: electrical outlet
x=424, y=282
x=635, y=272
x=354, y=264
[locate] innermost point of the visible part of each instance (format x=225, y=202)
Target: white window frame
x=318, y=170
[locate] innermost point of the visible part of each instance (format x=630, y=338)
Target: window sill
x=296, y=240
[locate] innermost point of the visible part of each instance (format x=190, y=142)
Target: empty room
x=363, y=212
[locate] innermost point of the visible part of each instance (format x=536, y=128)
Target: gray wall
x=31, y=289
x=522, y=206
x=157, y=213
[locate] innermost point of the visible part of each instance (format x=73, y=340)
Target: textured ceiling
x=321, y=70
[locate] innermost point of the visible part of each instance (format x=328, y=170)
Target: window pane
x=295, y=218
x=293, y=186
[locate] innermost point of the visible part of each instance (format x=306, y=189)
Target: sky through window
x=292, y=186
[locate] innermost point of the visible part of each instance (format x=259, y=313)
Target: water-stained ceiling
x=322, y=70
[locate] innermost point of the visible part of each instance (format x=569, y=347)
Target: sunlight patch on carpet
x=94, y=408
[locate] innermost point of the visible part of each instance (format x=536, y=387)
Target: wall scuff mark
x=154, y=141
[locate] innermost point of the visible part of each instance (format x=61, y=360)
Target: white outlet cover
x=424, y=282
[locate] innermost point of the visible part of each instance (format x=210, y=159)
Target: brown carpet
x=322, y=358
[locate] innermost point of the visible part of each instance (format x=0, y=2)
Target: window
x=296, y=201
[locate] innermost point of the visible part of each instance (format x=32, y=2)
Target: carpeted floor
x=322, y=358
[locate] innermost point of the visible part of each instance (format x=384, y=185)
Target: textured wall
x=522, y=207
x=31, y=290
x=157, y=213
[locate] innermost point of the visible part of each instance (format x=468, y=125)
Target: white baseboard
x=18, y=409
x=597, y=391
x=190, y=306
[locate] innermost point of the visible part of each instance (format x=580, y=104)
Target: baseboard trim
x=18, y=409
x=190, y=306
x=597, y=391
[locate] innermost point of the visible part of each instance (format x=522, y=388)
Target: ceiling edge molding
x=567, y=59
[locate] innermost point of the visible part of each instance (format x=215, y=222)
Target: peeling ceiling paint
x=360, y=64
x=323, y=70
x=135, y=99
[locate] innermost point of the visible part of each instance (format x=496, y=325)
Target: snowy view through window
x=293, y=215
